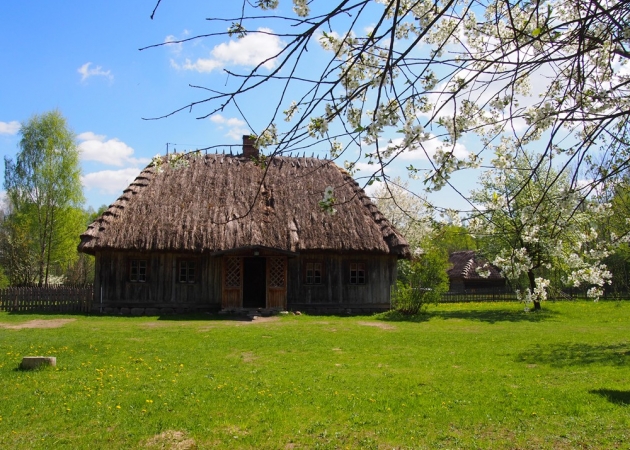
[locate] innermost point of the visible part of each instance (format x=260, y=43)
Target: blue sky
x=83, y=58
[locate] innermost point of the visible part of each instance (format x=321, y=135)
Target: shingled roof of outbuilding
x=217, y=203
x=465, y=264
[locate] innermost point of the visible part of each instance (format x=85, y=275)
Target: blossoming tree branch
x=536, y=91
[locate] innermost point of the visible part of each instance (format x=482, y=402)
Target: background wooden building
x=217, y=232
x=463, y=275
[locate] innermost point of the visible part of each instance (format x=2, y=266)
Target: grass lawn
x=462, y=376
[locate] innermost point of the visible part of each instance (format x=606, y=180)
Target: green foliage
x=421, y=282
x=16, y=251
x=453, y=238
x=616, y=228
x=4, y=280
x=45, y=194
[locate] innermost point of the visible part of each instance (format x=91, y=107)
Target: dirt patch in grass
x=38, y=323
x=171, y=440
x=248, y=357
x=382, y=326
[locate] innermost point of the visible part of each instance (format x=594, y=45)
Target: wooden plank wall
x=335, y=289
x=57, y=298
x=161, y=288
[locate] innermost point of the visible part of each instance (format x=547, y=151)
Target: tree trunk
x=532, y=286
x=52, y=225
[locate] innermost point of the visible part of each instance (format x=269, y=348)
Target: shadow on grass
x=172, y=317
x=613, y=396
x=42, y=368
x=395, y=316
x=479, y=315
x=571, y=354
x=205, y=317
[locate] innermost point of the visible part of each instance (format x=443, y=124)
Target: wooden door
x=232, y=282
x=277, y=282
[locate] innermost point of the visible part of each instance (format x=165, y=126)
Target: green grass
x=462, y=376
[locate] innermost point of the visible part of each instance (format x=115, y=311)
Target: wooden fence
x=553, y=295
x=57, y=298
x=466, y=297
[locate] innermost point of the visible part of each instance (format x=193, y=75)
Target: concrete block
x=33, y=362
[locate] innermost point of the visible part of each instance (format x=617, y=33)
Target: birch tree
x=44, y=189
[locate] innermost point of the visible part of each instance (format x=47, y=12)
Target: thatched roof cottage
x=230, y=232
x=463, y=275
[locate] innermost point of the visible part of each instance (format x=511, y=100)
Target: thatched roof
x=218, y=202
x=465, y=264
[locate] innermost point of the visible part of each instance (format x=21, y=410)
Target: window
x=313, y=272
x=187, y=271
x=138, y=270
x=357, y=273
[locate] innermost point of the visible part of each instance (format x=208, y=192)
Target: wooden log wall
x=161, y=288
x=57, y=298
x=335, y=292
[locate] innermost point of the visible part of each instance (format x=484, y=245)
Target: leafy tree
x=44, y=192
x=533, y=222
x=453, y=238
x=16, y=255
x=615, y=228
x=421, y=281
x=4, y=280
x=426, y=73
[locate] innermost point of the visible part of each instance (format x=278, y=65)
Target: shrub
x=421, y=282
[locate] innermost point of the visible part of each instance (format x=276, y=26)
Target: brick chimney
x=249, y=148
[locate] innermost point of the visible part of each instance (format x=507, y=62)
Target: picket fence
x=52, y=298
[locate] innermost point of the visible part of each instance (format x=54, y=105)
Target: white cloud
x=110, y=181
x=365, y=168
x=175, y=47
x=172, y=43
x=236, y=127
x=251, y=50
x=112, y=152
x=9, y=127
x=86, y=72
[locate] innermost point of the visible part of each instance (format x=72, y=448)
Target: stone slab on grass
x=33, y=362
